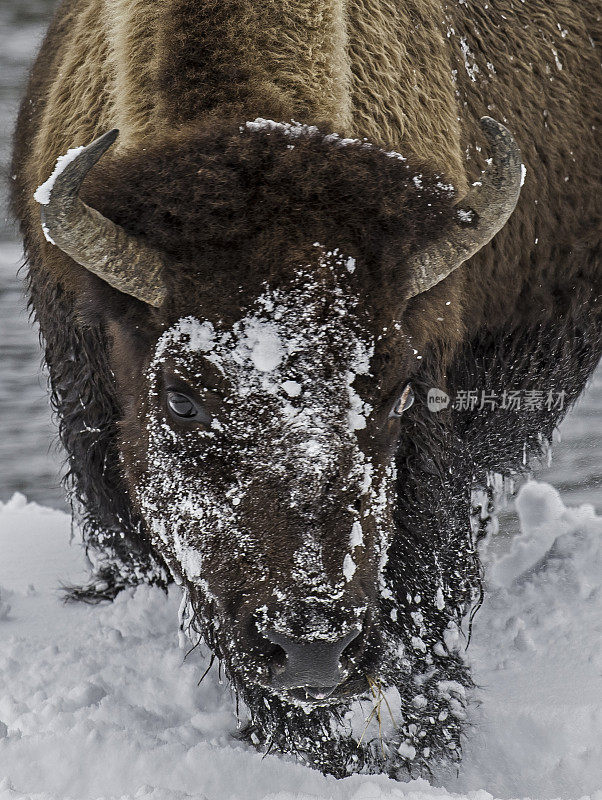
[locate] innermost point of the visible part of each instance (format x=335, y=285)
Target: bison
x=288, y=357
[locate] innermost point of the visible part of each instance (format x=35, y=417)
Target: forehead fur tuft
x=250, y=198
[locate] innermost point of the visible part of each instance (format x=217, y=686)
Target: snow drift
x=98, y=703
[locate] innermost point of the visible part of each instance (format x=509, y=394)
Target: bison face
x=265, y=487
x=258, y=446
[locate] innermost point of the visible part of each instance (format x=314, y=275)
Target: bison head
x=264, y=364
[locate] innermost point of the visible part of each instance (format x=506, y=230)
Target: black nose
x=314, y=665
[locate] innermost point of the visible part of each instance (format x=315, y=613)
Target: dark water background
x=29, y=460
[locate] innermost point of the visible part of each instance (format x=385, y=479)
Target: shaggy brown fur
x=178, y=77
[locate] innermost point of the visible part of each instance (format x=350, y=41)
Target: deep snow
x=97, y=702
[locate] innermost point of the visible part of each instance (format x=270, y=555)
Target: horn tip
x=494, y=128
x=500, y=136
x=106, y=140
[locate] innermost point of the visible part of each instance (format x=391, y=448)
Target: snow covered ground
x=97, y=702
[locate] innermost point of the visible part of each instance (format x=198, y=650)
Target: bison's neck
x=231, y=58
x=372, y=68
x=366, y=67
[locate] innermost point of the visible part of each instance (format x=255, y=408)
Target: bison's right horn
x=102, y=247
x=493, y=199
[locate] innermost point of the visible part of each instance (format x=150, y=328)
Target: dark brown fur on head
x=233, y=207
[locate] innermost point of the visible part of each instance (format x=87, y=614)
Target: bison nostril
x=314, y=664
x=277, y=660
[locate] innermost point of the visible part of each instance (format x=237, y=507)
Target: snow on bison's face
x=268, y=481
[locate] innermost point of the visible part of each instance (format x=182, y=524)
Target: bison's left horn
x=102, y=247
x=492, y=200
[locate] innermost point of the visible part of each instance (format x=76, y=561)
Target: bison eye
x=186, y=408
x=405, y=400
